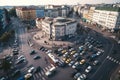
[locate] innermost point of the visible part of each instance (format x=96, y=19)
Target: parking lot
x=84, y=59
x=79, y=61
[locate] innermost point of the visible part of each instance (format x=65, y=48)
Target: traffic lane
x=105, y=70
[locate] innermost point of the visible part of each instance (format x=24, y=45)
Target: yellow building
x=26, y=13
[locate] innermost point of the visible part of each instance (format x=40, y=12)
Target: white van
x=50, y=71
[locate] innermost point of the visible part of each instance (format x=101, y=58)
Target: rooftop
x=59, y=21
x=116, y=9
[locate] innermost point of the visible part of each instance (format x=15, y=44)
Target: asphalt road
x=103, y=72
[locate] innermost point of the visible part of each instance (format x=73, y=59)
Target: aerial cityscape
x=59, y=40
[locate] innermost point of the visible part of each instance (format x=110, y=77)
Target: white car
x=75, y=55
x=95, y=62
x=50, y=71
x=31, y=44
x=60, y=49
x=99, y=53
x=82, y=77
x=20, y=57
x=71, y=63
x=77, y=75
x=49, y=51
x=71, y=49
x=75, y=65
x=88, y=69
x=31, y=69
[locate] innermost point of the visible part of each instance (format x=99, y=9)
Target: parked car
x=75, y=55
x=71, y=63
x=36, y=57
x=82, y=61
x=20, y=57
x=88, y=69
x=20, y=61
x=32, y=52
x=50, y=72
x=31, y=70
x=28, y=76
x=78, y=58
x=82, y=77
x=77, y=75
x=2, y=78
x=61, y=63
x=95, y=62
x=99, y=53
x=15, y=73
x=82, y=53
x=75, y=65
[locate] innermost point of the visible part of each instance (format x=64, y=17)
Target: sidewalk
x=115, y=75
x=44, y=41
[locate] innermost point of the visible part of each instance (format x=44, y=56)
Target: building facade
x=58, y=27
x=107, y=19
x=40, y=13
x=26, y=13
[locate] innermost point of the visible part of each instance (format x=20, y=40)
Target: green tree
x=7, y=16
x=5, y=37
x=12, y=12
x=6, y=65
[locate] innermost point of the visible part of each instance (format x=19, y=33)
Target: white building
x=58, y=27
x=107, y=19
x=56, y=10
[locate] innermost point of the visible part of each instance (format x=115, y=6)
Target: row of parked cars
x=85, y=55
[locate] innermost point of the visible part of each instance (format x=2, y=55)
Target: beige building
x=107, y=19
x=58, y=27
x=26, y=13
x=90, y=13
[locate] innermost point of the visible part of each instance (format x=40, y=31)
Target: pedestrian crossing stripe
x=42, y=72
x=112, y=59
x=116, y=61
x=40, y=75
x=43, y=78
x=49, y=67
x=107, y=56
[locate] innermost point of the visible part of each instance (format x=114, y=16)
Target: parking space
x=83, y=58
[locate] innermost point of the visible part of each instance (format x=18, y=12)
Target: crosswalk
x=113, y=60
x=41, y=75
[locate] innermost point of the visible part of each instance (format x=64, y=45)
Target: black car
x=20, y=61
x=36, y=57
x=78, y=58
x=16, y=73
x=32, y=52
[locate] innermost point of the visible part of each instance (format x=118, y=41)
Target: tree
x=7, y=16
x=5, y=37
x=6, y=65
x=12, y=12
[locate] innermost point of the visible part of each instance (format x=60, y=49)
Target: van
x=51, y=71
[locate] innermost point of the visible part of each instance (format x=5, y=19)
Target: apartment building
x=25, y=13
x=107, y=19
x=56, y=10
x=58, y=27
